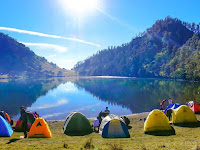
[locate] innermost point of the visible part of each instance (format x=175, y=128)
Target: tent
x=77, y=124
x=172, y=106
x=5, y=116
x=112, y=126
x=5, y=128
x=157, y=123
x=183, y=114
x=195, y=107
x=39, y=129
x=18, y=125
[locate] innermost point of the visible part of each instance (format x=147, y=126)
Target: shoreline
x=93, y=118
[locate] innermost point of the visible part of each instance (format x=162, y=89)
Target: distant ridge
x=170, y=49
x=17, y=60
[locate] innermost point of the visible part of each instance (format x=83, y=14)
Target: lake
x=55, y=98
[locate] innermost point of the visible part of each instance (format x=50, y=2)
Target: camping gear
x=195, y=107
x=77, y=124
x=172, y=106
x=113, y=126
x=157, y=123
x=39, y=129
x=183, y=114
x=96, y=123
x=5, y=128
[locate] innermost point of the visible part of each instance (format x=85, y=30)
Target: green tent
x=77, y=124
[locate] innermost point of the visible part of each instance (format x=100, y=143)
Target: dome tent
x=39, y=129
x=5, y=128
x=157, y=123
x=172, y=106
x=30, y=121
x=76, y=124
x=112, y=126
x=194, y=106
x=183, y=114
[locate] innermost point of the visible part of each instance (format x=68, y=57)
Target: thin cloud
x=72, y=110
x=56, y=48
x=59, y=103
x=47, y=35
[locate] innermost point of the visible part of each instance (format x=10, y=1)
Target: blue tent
x=172, y=106
x=113, y=126
x=5, y=128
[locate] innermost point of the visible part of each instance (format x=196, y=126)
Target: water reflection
x=140, y=95
x=54, y=99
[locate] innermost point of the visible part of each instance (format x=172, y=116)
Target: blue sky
x=65, y=35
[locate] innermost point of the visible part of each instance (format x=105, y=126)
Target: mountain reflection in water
x=55, y=98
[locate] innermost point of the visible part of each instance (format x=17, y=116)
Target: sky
x=68, y=31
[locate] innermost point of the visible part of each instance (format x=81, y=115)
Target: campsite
x=185, y=138
x=99, y=75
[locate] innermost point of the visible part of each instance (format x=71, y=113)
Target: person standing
x=170, y=101
x=24, y=117
x=162, y=104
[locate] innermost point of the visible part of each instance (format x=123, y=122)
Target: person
x=169, y=114
x=25, y=116
x=162, y=104
x=107, y=110
x=170, y=101
x=103, y=114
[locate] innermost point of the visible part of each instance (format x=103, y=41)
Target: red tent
x=195, y=107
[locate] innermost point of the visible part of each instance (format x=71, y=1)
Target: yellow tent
x=183, y=114
x=39, y=129
x=157, y=123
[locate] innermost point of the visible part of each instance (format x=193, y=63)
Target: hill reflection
x=16, y=93
x=140, y=95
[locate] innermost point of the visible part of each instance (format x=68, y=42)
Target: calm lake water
x=55, y=98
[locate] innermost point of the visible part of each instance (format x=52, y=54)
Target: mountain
x=18, y=60
x=153, y=53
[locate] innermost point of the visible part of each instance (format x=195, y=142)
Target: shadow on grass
x=12, y=140
x=129, y=127
x=189, y=125
x=162, y=133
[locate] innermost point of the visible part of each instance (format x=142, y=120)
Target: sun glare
x=80, y=7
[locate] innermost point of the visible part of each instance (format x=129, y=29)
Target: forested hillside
x=170, y=48
x=18, y=60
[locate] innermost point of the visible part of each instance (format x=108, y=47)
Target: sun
x=79, y=7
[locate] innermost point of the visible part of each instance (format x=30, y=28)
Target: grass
x=185, y=139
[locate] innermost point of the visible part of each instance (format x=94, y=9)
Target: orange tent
x=39, y=129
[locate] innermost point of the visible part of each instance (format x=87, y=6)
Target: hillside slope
x=151, y=54
x=18, y=60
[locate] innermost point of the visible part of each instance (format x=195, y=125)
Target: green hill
x=18, y=60
x=170, y=48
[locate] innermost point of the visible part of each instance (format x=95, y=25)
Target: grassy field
x=185, y=139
